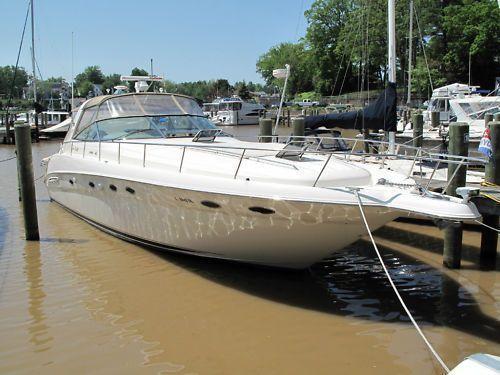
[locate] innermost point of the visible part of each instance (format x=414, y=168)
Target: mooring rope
x=487, y=226
x=13, y=157
x=433, y=351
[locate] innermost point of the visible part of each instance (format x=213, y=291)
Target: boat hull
x=273, y=232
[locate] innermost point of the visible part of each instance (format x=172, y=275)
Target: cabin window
x=128, y=127
x=90, y=133
x=86, y=119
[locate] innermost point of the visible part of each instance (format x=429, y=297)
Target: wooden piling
x=489, y=238
x=366, y=136
x=26, y=180
x=266, y=130
x=36, y=127
x=496, y=117
x=298, y=125
x=487, y=119
x=8, y=137
x=458, y=145
x=435, y=119
x=417, y=120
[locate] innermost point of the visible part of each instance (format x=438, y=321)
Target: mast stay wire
x=423, y=46
x=9, y=101
x=344, y=50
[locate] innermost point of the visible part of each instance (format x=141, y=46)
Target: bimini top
x=114, y=115
x=142, y=104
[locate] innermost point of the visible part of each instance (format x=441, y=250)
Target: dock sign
x=485, y=144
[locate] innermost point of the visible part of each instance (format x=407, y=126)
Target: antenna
x=72, y=74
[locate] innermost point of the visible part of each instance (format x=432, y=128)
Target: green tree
x=242, y=90
x=85, y=80
x=299, y=59
x=110, y=81
x=471, y=26
x=6, y=78
x=139, y=72
x=136, y=72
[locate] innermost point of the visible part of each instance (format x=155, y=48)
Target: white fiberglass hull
x=285, y=234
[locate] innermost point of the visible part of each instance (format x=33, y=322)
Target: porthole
x=261, y=210
x=210, y=204
x=91, y=184
x=130, y=190
x=112, y=187
x=71, y=182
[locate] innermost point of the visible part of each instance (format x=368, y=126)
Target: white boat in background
x=440, y=100
x=455, y=103
x=58, y=130
x=151, y=169
x=233, y=111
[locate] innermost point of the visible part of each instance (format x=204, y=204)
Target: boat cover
x=380, y=115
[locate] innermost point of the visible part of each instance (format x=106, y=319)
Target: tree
x=242, y=90
x=299, y=59
x=85, y=80
x=6, y=78
x=139, y=72
x=136, y=72
x=471, y=26
x=326, y=19
x=110, y=81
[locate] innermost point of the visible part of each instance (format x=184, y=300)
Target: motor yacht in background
x=455, y=103
x=233, y=111
x=150, y=168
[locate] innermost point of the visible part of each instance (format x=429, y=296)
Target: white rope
x=487, y=226
x=433, y=351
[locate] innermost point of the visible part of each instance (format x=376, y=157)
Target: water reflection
x=37, y=328
x=352, y=283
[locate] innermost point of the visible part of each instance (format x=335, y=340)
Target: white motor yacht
x=233, y=111
x=455, y=103
x=151, y=169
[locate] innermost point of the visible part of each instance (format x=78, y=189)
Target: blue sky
x=188, y=40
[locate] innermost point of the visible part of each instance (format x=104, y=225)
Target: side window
x=90, y=133
x=86, y=119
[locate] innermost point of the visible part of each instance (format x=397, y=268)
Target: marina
x=81, y=286
x=334, y=211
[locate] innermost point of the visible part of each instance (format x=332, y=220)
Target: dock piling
x=26, y=181
x=417, y=120
x=458, y=145
x=488, y=117
x=435, y=119
x=266, y=130
x=489, y=238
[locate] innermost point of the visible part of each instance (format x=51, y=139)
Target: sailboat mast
x=391, y=31
x=33, y=50
x=391, y=25
x=410, y=54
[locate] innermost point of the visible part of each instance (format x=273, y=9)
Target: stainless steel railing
x=298, y=147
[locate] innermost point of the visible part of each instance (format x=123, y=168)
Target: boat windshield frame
x=135, y=105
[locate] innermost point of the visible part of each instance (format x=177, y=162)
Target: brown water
x=82, y=301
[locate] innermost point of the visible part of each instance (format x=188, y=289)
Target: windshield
x=145, y=127
x=477, y=110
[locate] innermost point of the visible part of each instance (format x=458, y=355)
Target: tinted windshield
x=477, y=110
x=145, y=127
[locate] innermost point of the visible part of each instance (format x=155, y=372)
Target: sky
x=188, y=40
